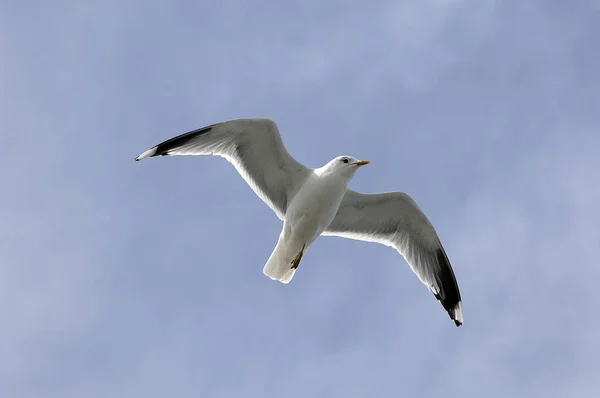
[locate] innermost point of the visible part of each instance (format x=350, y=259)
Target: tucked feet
x=296, y=260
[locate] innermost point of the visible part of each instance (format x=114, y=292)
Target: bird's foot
x=296, y=260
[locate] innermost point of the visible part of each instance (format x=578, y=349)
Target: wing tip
x=149, y=153
x=165, y=147
x=450, y=298
x=456, y=314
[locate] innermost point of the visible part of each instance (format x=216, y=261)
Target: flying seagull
x=313, y=202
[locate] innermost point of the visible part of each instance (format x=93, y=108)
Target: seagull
x=315, y=202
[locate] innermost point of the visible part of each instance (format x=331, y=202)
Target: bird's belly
x=309, y=216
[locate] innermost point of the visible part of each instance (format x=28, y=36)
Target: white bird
x=314, y=202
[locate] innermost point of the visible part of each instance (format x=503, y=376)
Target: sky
x=144, y=279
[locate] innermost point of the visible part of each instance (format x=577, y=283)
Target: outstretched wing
x=254, y=147
x=395, y=220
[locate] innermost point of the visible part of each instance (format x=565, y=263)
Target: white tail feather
x=278, y=266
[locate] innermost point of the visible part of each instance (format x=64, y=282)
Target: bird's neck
x=327, y=174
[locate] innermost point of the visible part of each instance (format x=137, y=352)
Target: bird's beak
x=362, y=162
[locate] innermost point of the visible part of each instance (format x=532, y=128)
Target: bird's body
x=310, y=212
x=314, y=202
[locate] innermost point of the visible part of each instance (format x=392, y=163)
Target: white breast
x=315, y=205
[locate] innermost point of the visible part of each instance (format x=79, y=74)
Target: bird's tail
x=279, y=265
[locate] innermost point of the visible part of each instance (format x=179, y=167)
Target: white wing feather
x=394, y=219
x=254, y=147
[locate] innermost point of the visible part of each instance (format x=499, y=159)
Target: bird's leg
x=296, y=260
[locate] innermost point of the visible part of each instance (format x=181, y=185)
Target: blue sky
x=145, y=279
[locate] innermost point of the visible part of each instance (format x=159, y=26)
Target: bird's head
x=345, y=165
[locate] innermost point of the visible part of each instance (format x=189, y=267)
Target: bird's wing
x=395, y=220
x=254, y=147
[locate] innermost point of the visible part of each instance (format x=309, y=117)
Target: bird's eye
x=345, y=160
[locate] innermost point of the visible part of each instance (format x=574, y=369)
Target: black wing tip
x=450, y=299
x=454, y=312
x=165, y=147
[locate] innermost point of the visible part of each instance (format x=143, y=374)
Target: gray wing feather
x=254, y=147
x=394, y=219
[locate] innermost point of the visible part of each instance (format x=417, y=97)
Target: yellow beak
x=362, y=162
